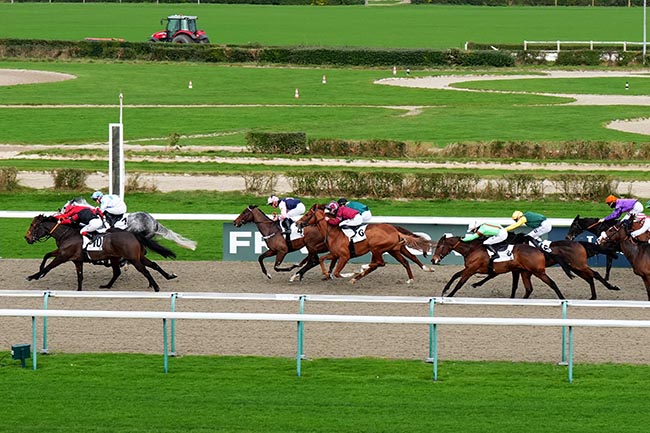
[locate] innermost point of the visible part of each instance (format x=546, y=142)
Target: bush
x=8, y=178
x=69, y=178
x=291, y=143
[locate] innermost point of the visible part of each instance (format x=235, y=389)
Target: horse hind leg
x=115, y=265
x=143, y=270
x=161, y=271
x=400, y=258
x=549, y=282
x=377, y=261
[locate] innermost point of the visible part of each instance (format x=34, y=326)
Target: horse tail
x=594, y=249
x=155, y=246
x=419, y=243
x=175, y=237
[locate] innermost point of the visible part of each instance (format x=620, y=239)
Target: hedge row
x=607, y=3
x=435, y=186
x=114, y=50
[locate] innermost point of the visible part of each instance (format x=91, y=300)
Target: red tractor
x=182, y=30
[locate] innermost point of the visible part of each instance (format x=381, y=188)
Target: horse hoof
x=353, y=280
x=105, y=286
x=364, y=267
x=409, y=281
x=268, y=276
x=172, y=276
x=614, y=288
x=293, y=278
x=347, y=275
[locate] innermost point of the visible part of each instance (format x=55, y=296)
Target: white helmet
x=473, y=226
x=272, y=199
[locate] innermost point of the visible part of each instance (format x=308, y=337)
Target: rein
x=54, y=228
x=593, y=225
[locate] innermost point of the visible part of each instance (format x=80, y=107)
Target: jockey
x=364, y=210
x=88, y=218
x=111, y=205
x=494, y=233
x=343, y=216
x=620, y=206
x=643, y=218
x=538, y=222
x=290, y=209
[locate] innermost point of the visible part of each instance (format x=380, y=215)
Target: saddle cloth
x=97, y=243
x=504, y=254
x=356, y=236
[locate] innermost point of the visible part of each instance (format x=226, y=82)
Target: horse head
x=312, y=216
x=245, y=217
x=616, y=233
x=575, y=228
x=40, y=229
x=445, y=245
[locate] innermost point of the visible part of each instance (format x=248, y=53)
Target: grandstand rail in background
x=432, y=321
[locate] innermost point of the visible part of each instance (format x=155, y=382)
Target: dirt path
x=321, y=340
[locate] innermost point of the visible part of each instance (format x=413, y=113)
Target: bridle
x=442, y=256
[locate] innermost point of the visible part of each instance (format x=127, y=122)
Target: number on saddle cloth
x=503, y=252
x=355, y=233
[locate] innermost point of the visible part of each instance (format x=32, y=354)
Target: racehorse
x=380, y=239
x=527, y=261
x=146, y=225
x=116, y=245
x=637, y=253
x=573, y=253
x=592, y=225
x=277, y=244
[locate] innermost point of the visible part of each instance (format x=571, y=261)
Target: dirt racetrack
x=321, y=340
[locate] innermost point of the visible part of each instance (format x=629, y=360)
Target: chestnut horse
x=277, y=244
x=380, y=239
x=117, y=244
x=637, y=253
x=574, y=254
x=527, y=261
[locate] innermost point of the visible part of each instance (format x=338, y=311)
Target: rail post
x=165, y=348
x=173, y=325
x=565, y=304
x=34, y=352
x=44, y=350
x=300, y=338
x=432, y=330
x=570, y=354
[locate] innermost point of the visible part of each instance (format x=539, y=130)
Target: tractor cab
x=180, y=29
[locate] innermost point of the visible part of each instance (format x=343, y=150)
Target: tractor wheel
x=182, y=39
x=204, y=40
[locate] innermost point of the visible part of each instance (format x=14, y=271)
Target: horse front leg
x=464, y=277
x=115, y=265
x=327, y=275
x=528, y=284
x=143, y=270
x=608, y=267
x=260, y=259
x=451, y=280
x=48, y=256
x=41, y=273
x=279, y=258
x=515, y=284
x=377, y=262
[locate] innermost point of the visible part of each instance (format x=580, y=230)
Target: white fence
x=433, y=322
x=591, y=44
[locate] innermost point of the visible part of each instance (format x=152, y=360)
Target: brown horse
x=637, y=253
x=277, y=244
x=594, y=226
x=380, y=239
x=117, y=244
x=573, y=254
x=527, y=261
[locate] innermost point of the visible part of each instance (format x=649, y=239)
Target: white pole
x=644, y=28
x=121, y=100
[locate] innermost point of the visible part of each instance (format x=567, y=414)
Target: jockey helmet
x=517, y=214
x=647, y=204
x=332, y=207
x=272, y=199
x=97, y=195
x=611, y=199
x=342, y=201
x=473, y=226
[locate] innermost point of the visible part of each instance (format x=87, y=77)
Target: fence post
x=570, y=354
x=300, y=347
x=432, y=330
x=565, y=304
x=173, y=325
x=34, y=351
x=558, y=46
x=44, y=350
x=165, y=348
x=435, y=353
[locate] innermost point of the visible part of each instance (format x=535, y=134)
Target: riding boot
x=492, y=249
x=286, y=225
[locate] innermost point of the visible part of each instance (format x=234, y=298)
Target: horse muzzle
x=29, y=240
x=435, y=260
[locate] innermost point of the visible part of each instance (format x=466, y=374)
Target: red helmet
x=611, y=199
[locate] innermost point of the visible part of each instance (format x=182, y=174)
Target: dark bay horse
x=573, y=254
x=592, y=225
x=380, y=239
x=277, y=244
x=117, y=244
x=637, y=253
x=527, y=261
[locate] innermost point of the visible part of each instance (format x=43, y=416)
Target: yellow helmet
x=517, y=214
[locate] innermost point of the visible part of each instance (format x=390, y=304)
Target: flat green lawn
x=130, y=393
x=409, y=26
x=349, y=106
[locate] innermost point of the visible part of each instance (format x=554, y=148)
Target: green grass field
x=130, y=393
x=400, y=26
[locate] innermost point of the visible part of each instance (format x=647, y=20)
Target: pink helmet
x=332, y=207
